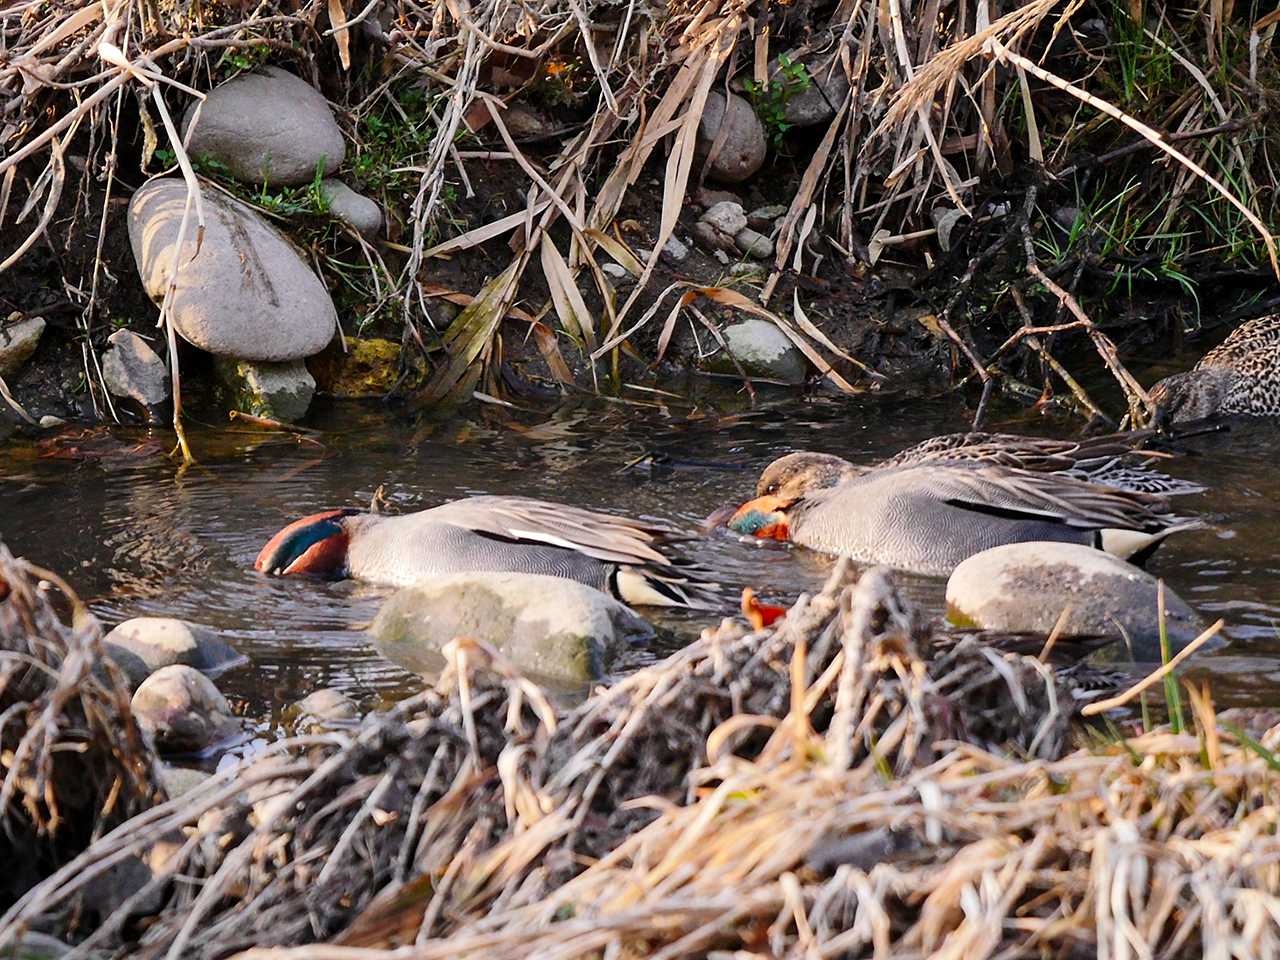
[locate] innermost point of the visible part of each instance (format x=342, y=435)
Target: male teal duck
x=1239, y=377
x=929, y=508
x=630, y=559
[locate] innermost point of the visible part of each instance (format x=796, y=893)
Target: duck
x=1239, y=377
x=930, y=507
x=632, y=560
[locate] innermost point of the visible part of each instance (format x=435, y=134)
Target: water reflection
x=137, y=538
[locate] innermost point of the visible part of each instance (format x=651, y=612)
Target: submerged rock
x=558, y=630
x=133, y=371
x=743, y=150
x=1024, y=587
x=353, y=209
x=19, y=337
x=762, y=350
x=269, y=127
x=182, y=710
x=278, y=391
x=143, y=645
x=248, y=293
x=323, y=709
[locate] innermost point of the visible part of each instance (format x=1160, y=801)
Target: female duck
x=1239, y=377
x=627, y=558
x=927, y=510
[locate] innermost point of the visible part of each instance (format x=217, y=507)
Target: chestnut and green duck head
x=784, y=482
x=316, y=545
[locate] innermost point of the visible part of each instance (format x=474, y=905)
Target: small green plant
x=771, y=97
x=240, y=59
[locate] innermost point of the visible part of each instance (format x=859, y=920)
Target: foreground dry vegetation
x=847, y=783
x=1012, y=169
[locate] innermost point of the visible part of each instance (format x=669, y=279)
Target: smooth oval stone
x=558, y=630
x=268, y=126
x=1024, y=587
x=182, y=710
x=247, y=293
x=744, y=147
x=143, y=645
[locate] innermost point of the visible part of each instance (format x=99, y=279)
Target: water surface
x=137, y=536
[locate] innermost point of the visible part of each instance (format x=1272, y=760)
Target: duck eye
x=771, y=489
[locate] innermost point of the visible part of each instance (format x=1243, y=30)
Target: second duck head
x=784, y=482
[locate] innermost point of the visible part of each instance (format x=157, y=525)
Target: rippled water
x=137, y=536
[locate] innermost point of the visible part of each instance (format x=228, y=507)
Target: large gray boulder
x=1024, y=587
x=133, y=371
x=182, y=711
x=762, y=350
x=269, y=127
x=143, y=645
x=559, y=631
x=247, y=293
x=744, y=147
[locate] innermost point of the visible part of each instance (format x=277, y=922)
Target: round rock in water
x=269, y=127
x=1024, y=587
x=143, y=645
x=557, y=630
x=182, y=710
x=247, y=293
x=743, y=150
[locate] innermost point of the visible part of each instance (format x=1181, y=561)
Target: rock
x=753, y=244
x=268, y=126
x=621, y=275
x=19, y=336
x=354, y=209
x=709, y=238
x=133, y=371
x=370, y=367
x=178, y=781
x=278, y=391
x=182, y=710
x=49, y=421
x=743, y=150
x=764, y=218
x=143, y=645
x=557, y=630
x=762, y=350
x=727, y=217
x=324, y=708
x=248, y=293
x=745, y=268
x=673, y=251
x=828, y=87
x=106, y=893
x=524, y=123
x=1024, y=587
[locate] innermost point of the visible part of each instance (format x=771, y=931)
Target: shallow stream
x=135, y=536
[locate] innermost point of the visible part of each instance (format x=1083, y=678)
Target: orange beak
x=764, y=517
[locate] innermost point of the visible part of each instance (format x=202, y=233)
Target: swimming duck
x=931, y=507
x=629, y=559
x=1240, y=376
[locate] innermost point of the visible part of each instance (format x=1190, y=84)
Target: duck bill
x=764, y=517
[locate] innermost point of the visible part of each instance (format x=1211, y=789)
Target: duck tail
x=1137, y=546
x=638, y=586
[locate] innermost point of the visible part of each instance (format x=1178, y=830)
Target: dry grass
x=906, y=165
x=821, y=788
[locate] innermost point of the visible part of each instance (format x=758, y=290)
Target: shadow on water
x=136, y=537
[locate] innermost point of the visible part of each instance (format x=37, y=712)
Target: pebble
x=19, y=337
x=133, y=371
x=754, y=244
x=354, y=209
x=727, y=217
x=182, y=711
x=742, y=152
x=143, y=645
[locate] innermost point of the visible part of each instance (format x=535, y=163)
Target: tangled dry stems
x=816, y=788
x=920, y=140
